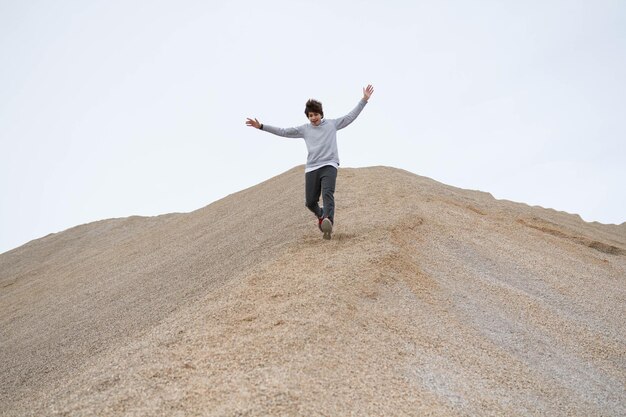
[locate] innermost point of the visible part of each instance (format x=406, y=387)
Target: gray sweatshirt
x=321, y=141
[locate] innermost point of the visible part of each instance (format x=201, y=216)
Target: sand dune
x=429, y=300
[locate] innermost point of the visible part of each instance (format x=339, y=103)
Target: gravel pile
x=429, y=300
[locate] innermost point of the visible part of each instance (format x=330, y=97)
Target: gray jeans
x=321, y=181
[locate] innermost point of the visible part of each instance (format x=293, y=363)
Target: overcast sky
x=118, y=108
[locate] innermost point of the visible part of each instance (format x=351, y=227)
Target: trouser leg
x=313, y=188
x=328, y=179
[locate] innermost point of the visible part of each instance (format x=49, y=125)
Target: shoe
x=327, y=227
x=319, y=223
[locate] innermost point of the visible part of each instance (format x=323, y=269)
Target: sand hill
x=429, y=300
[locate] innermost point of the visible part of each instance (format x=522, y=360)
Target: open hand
x=367, y=92
x=253, y=123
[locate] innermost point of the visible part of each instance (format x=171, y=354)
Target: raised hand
x=253, y=123
x=367, y=92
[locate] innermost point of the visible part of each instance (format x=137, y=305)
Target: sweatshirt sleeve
x=290, y=132
x=344, y=121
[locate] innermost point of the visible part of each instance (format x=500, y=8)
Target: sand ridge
x=429, y=300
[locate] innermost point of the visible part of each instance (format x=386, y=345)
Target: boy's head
x=313, y=110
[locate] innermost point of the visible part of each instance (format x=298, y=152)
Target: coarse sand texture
x=428, y=300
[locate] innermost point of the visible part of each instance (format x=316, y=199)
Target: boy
x=320, y=136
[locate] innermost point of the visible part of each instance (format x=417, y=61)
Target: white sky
x=118, y=108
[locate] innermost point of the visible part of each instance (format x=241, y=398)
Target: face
x=315, y=118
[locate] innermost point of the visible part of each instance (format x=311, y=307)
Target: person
x=320, y=137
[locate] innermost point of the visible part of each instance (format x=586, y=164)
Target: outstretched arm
x=344, y=121
x=290, y=132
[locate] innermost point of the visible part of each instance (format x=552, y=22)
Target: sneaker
x=319, y=223
x=327, y=227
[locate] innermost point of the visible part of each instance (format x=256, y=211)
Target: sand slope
x=429, y=300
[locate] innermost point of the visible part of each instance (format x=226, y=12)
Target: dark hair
x=313, y=106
